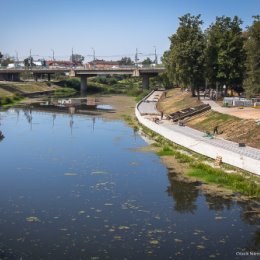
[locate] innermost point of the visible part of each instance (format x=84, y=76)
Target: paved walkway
x=245, y=113
x=148, y=107
x=247, y=158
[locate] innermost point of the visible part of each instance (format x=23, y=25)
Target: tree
x=224, y=55
x=6, y=59
x=126, y=61
x=77, y=58
x=252, y=48
x=28, y=62
x=147, y=61
x=1, y=56
x=185, y=59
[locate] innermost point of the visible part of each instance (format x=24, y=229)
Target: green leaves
x=252, y=48
x=185, y=60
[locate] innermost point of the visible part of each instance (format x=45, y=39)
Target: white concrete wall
x=229, y=157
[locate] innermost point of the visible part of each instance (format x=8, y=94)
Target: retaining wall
x=229, y=157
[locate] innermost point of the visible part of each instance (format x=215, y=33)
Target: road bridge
x=13, y=74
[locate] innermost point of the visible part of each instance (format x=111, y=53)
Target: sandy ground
x=122, y=105
x=244, y=113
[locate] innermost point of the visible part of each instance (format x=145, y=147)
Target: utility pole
x=136, y=56
x=72, y=55
x=31, y=58
x=17, y=60
x=155, y=56
x=52, y=54
x=94, y=57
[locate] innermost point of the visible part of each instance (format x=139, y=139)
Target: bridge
x=13, y=74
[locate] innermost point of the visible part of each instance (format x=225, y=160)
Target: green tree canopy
x=77, y=58
x=185, y=60
x=126, y=61
x=28, y=62
x=252, y=47
x=224, y=55
x=147, y=61
x=6, y=59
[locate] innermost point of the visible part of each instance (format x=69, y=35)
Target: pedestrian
x=161, y=115
x=215, y=131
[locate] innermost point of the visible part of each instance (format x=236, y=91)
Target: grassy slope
x=28, y=87
x=177, y=100
x=232, y=128
x=5, y=93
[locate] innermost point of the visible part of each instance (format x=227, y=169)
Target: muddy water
x=76, y=187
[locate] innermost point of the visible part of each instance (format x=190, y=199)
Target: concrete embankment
x=246, y=158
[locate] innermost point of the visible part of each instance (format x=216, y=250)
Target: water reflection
x=184, y=194
x=95, y=196
x=28, y=116
x=218, y=203
x=53, y=119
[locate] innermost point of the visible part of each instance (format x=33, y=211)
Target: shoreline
x=250, y=181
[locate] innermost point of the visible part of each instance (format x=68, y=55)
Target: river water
x=76, y=187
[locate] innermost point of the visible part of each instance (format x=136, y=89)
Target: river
x=77, y=187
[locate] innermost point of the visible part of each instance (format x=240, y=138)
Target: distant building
x=102, y=64
x=58, y=64
x=15, y=65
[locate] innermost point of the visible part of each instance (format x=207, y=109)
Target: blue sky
x=114, y=28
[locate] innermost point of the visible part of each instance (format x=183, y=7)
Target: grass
x=235, y=182
x=5, y=93
x=214, y=118
x=177, y=100
x=29, y=87
x=64, y=92
x=10, y=100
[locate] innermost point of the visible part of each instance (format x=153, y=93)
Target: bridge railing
x=61, y=68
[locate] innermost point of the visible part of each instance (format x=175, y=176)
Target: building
x=102, y=64
x=59, y=64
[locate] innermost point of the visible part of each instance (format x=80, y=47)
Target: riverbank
x=234, y=124
x=200, y=166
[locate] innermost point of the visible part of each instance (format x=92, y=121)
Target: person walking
x=215, y=131
x=162, y=115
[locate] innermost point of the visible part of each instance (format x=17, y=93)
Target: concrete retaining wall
x=229, y=157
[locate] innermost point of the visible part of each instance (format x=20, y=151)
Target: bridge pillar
x=83, y=84
x=145, y=81
x=49, y=77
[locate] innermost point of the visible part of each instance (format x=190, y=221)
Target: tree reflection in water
x=218, y=203
x=184, y=193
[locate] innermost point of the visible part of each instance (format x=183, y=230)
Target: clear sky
x=114, y=28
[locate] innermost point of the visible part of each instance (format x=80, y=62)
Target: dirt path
x=245, y=113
